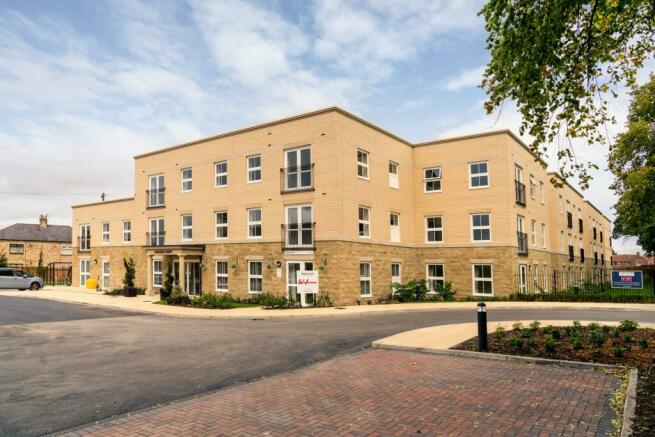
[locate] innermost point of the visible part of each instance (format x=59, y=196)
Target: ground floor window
x=365, y=278
x=105, y=274
x=255, y=276
x=157, y=275
x=395, y=273
x=85, y=271
x=16, y=249
x=482, y=279
x=435, y=277
x=221, y=276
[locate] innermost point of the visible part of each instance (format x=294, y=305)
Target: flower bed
x=625, y=345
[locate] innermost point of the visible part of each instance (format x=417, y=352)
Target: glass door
x=523, y=278
x=105, y=275
x=192, y=280
x=293, y=269
x=299, y=169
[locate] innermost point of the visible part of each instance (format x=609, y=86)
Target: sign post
x=627, y=279
x=307, y=283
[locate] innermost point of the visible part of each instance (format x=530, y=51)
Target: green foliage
x=627, y=338
x=516, y=342
x=414, y=290
x=632, y=161
x=534, y=326
x=643, y=343
x=40, y=268
x=324, y=300
x=617, y=351
x=178, y=297
x=558, y=61
x=577, y=324
x=169, y=281
x=628, y=325
x=606, y=328
x=596, y=338
x=130, y=272
x=499, y=331
x=268, y=300
x=593, y=326
x=556, y=334
x=3, y=259
x=517, y=326
x=550, y=344
x=526, y=333
x=222, y=301
x=444, y=291
x=576, y=343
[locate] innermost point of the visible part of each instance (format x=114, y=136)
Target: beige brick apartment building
x=247, y=210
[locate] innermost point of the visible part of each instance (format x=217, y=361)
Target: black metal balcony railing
x=519, y=191
x=155, y=238
x=522, y=239
x=580, y=227
x=84, y=243
x=595, y=233
x=298, y=178
x=569, y=220
x=571, y=254
x=155, y=197
x=581, y=255
x=298, y=236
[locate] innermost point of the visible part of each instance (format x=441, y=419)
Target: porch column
x=182, y=277
x=149, y=285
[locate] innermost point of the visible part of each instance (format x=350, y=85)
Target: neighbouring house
x=249, y=211
x=632, y=261
x=24, y=243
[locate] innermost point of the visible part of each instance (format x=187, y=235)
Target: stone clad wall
x=32, y=249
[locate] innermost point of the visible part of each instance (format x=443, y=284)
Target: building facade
x=626, y=261
x=246, y=211
x=25, y=243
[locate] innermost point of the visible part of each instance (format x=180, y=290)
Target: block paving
x=390, y=393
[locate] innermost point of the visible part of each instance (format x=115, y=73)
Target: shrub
x=177, y=297
x=577, y=324
x=169, y=281
x=593, y=326
x=223, y=301
x=643, y=343
x=628, y=325
x=556, y=334
x=269, y=301
x=130, y=272
x=3, y=259
x=498, y=332
x=526, y=333
x=627, y=338
x=547, y=330
x=324, y=300
x=534, y=325
x=444, y=291
x=617, y=351
x=550, y=343
x=616, y=332
x=576, y=343
x=596, y=338
x=410, y=291
x=516, y=342
x=606, y=328
x=517, y=326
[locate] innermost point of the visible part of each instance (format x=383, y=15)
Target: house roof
x=34, y=232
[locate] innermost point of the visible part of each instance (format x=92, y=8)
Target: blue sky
x=84, y=86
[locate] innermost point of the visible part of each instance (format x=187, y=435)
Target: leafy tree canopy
x=632, y=160
x=558, y=60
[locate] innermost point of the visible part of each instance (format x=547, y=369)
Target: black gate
x=58, y=273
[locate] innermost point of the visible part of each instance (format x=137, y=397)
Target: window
x=187, y=227
x=479, y=175
x=187, y=180
x=16, y=249
x=221, y=276
x=433, y=230
x=561, y=240
x=434, y=276
x=85, y=237
x=254, y=223
x=533, y=187
x=561, y=204
x=127, y=231
x=221, y=225
x=298, y=169
x=541, y=192
x=66, y=249
x=364, y=222
x=394, y=223
x=105, y=233
x=255, y=276
x=543, y=235
x=85, y=271
x=395, y=273
x=156, y=192
x=221, y=174
x=299, y=227
x=393, y=174
x=481, y=226
x=432, y=179
x=157, y=273
x=254, y=168
x=482, y=279
x=533, y=232
x=365, y=278
x=362, y=164
x=156, y=235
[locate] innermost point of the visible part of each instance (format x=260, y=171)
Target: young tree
x=40, y=269
x=130, y=271
x=632, y=160
x=169, y=280
x=3, y=259
x=558, y=61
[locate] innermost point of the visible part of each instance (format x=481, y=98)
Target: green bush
x=222, y=301
x=593, y=326
x=577, y=324
x=628, y=325
x=627, y=338
x=576, y=343
x=550, y=343
x=130, y=272
x=498, y=332
x=643, y=343
x=324, y=300
x=617, y=351
x=556, y=334
x=606, y=328
x=271, y=301
x=596, y=338
x=516, y=342
x=534, y=325
x=526, y=333
x=517, y=326
x=444, y=292
x=412, y=291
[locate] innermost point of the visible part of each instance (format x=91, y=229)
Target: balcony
x=519, y=191
x=298, y=236
x=156, y=197
x=571, y=254
x=580, y=227
x=155, y=238
x=569, y=220
x=84, y=244
x=298, y=178
x=522, y=239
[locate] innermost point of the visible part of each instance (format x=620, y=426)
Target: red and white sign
x=307, y=282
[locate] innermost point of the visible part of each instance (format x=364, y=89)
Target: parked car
x=14, y=278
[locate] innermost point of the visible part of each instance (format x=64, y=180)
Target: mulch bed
x=624, y=346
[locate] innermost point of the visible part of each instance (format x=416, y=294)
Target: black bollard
x=482, y=327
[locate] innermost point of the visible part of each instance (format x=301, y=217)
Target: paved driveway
x=392, y=393
x=55, y=375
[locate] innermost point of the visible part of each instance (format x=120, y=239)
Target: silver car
x=14, y=278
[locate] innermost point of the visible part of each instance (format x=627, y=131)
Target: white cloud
x=465, y=79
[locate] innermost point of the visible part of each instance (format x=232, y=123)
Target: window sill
x=298, y=190
x=483, y=294
x=156, y=207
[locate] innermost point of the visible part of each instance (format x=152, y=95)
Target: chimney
x=43, y=221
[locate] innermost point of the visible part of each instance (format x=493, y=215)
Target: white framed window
x=545, y=281
x=220, y=173
x=393, y=174
x=561, y=204
x=479, y=174
x=523, y=278
x=365, y=278
x=483, y=283
x=187, y=179
x=298, y=169
x=85, y=237
x=255, y=223
x=364, y=222
x=221, y=225
x=533, y=187
x=362, y=164
x=127, y=231
x=255, y=276
x=85, y=271
x=105, y=233
x=543, y=235
x=221, y=276
x=434, y=275
x=561, y=240
x=254, y=168
x=533, y=232
x=157, y=232
x=542, y=196
x=432, y=179
x=518, y=173
x=433, y=230
x=481, y=227
x=156, y=192
x=66, y=249
x=299, y=226
x=394, y=225
x=157, y=273
x=396, y=272
x=187, y=227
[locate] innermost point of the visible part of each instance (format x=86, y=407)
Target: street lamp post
x=482, y=327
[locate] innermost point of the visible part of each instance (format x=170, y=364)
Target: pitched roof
x=33, y=232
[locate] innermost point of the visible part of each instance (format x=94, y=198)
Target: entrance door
x=105, y=274
x=192, y=280
x=293, y=268
x=85, y=271
x=523, y=278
